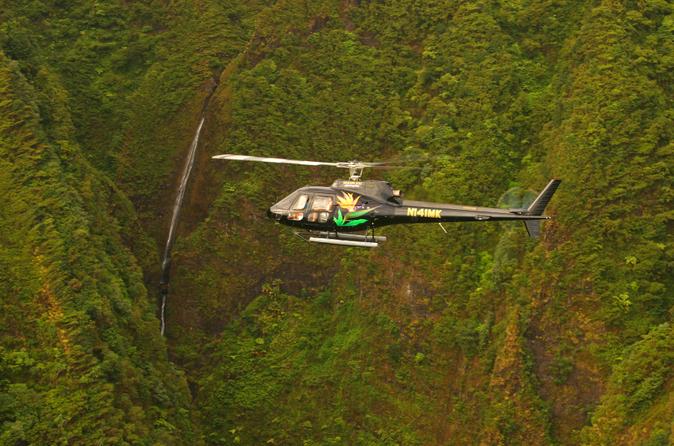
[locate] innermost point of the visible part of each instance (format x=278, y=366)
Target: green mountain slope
x=475, y=336
x=459, y=342
x=81, y=360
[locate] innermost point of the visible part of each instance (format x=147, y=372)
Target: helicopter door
x=298, y=207
x=321, y=209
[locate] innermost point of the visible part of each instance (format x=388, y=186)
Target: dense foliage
x=80, y=357
x=477, y=336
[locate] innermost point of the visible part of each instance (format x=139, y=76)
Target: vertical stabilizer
x=533, y=228
x=538, y=207
x=539, y=204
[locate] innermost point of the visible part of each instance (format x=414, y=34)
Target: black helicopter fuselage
x=349, y=206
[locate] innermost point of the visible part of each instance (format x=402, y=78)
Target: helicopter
x=333, y=214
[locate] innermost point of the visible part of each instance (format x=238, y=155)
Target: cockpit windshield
x=286, y=202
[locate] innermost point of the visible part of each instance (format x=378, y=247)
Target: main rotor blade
x=387, y=166
x=273, y=160
x=342, y=164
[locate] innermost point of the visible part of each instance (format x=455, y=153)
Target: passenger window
x=322, y=203
x=301, y=202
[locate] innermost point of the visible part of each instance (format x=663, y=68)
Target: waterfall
x=177, y=205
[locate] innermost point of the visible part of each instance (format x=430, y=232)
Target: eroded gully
x=177, y=206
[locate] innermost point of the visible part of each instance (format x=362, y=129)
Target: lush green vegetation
x=80, y=357
x=478, y=336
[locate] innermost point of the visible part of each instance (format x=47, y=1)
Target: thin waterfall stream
x=177, y=206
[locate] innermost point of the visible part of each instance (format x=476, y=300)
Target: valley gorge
x=476, y=334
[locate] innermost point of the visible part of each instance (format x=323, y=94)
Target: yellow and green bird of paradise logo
x=348, y=202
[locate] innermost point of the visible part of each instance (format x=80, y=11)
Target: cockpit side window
x=300, y=203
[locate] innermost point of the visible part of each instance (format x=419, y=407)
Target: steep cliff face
x=477, y=336
x=80, y=356
x=506, y=341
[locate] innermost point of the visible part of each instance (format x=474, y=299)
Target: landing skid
x=342, y=239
